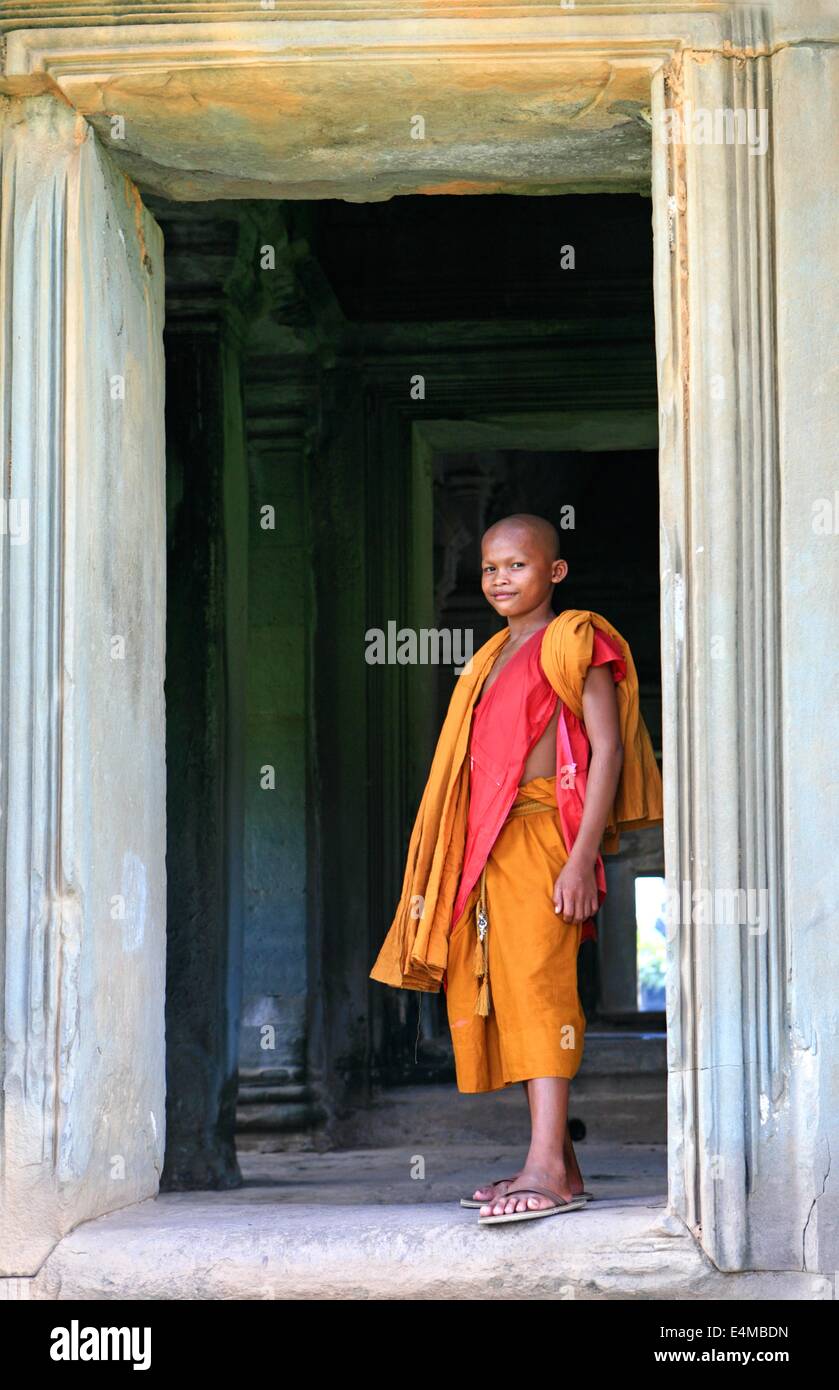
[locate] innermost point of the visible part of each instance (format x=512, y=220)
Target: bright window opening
x=650, y=937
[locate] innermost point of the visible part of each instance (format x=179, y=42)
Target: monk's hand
x=575, y=892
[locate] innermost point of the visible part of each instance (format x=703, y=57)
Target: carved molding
x=720, y=639
x=233, y=106
x=579, y=119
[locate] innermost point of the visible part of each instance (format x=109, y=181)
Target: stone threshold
x=353, y=1225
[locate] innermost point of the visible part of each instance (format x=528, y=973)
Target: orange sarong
x=535, y=1024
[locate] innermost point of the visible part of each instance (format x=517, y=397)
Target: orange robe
x=506, y=723
x=535, y=1025
x=415, y=952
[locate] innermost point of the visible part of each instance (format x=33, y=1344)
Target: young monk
x=542, y=758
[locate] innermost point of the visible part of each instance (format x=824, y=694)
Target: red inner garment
x=506, y=723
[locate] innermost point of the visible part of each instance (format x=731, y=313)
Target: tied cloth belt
x=482, y=1003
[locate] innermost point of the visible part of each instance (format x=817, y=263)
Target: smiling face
x=520, y=566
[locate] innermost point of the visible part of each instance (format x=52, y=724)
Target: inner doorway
x=384, y=380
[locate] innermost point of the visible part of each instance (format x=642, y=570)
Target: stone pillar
x=82, y=614
x=799, y=1120
x=279, y=1097
x=745, y=259
x=205, y=695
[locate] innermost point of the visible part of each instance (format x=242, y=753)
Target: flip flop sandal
x=560, y=1205
x=470, y=1201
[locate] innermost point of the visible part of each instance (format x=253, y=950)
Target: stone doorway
x=352, y=303
x=580, y=96
x=280, y=320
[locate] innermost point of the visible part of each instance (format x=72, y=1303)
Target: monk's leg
x=546, y=1164
x=575, y=1177
x=538, y=1019
x=494, y=1190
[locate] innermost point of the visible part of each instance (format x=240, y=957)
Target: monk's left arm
x=576, y=884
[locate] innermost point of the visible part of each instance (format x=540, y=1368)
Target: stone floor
x=384, y=1222
x=356, y=1225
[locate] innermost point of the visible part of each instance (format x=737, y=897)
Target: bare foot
x=494, y=1190
x=554, y=1178
x=575, y=1177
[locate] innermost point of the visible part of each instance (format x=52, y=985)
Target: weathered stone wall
x=82, y=611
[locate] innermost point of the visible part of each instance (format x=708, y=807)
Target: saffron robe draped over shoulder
x=415, y=950
x=507, y=722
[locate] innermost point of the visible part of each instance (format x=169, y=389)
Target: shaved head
x=520, y=568
x=536, y=529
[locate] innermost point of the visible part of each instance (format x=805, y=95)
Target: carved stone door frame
x=730, y=1131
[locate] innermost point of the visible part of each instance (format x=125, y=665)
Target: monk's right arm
x=575, y=891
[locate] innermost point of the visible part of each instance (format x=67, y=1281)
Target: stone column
x=752, y=1094
x=799, y=1120
x=205, y=696
x=82, y=627
x=280, y=1098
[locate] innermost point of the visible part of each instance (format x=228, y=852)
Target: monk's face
x=518, y=572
